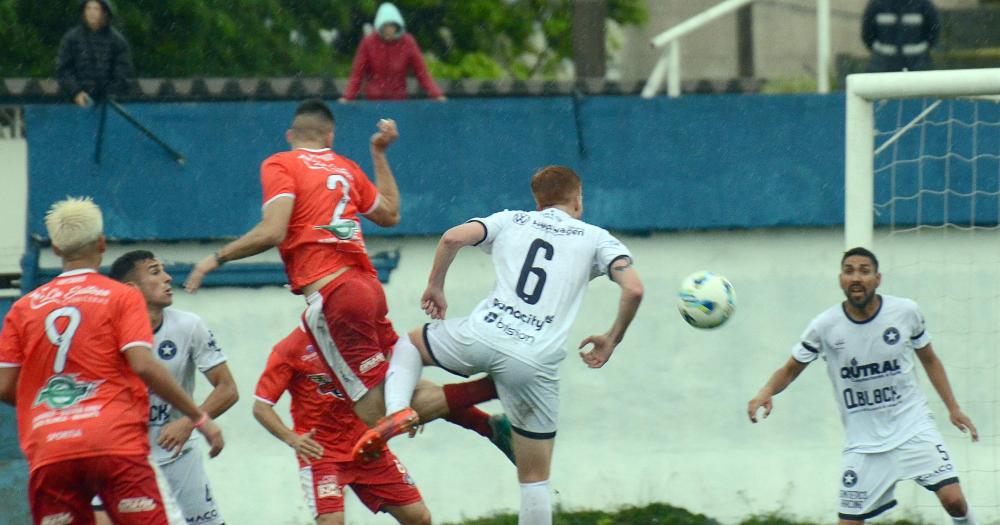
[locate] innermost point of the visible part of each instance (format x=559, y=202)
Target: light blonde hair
x=74, y=224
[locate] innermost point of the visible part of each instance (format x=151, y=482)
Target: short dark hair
x=554, y=185
x=315, y=107
x=126, y=263
x=864, y=252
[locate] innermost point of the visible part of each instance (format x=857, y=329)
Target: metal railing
x=669, y=64
x=11, y=122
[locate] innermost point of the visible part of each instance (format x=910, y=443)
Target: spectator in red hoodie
x=385, y=57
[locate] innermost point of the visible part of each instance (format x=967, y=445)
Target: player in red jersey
x=325, y=429
x=75, y=361
x=312, y=199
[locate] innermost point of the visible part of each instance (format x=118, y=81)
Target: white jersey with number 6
x=182, y=343
x=871, y=366
x=543, y=262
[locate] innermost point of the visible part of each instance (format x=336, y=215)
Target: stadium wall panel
x=697, y=162
x=728, y=161
x=13, y=468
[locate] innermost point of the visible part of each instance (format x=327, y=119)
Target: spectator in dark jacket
x=900, y=34
x=94, y=58
x=385, y=57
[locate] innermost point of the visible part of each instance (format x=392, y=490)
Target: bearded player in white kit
x=182, y=343
x=869, y=342
x=544, y=260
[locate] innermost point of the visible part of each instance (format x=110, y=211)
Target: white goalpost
x=922, y=189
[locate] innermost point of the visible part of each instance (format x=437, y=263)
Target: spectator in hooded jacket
x=94, y=58
x=384, y=59
x=900, y=34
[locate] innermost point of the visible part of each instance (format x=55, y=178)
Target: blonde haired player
x=868, y=343
x=75, y=361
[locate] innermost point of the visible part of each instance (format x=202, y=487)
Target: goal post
x=922, y=190
x=863, y=90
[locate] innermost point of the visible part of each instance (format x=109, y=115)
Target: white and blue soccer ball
x=706, y=299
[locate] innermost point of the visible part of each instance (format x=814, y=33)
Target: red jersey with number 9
x=76, y=393
x=324, y=231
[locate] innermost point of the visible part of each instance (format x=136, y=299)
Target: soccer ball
x=706, y=300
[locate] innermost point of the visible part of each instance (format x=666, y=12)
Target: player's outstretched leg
x=456, y=404
x=401, y=379
x=370, y=445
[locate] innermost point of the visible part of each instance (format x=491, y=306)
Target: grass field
x=656, y=513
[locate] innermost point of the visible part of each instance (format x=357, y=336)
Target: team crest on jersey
x=63, y=391
x=891, y=335
x=343, y=229
x=212, y=345
x=521, y=219
x=167, y=350
x=325, y=386
x=849, y=478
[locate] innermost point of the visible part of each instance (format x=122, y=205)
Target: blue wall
x=696, y=162
x=13, y=467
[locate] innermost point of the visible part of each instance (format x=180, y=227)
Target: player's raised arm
x=386, y=213
x=267, y=234
x=433, y=301
x=779, y=381
x=939, y=378
x=627, y=278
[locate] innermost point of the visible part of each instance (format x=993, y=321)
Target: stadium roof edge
x=44, y=90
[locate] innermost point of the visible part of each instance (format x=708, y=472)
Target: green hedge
x=256, y=38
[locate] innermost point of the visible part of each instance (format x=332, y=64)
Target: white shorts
x=868, y=480
x=170, y=507
x=189, y=484
x=529, y=393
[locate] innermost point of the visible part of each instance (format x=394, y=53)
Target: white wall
x=13, y=202
x=665, y=419
x=784, y=38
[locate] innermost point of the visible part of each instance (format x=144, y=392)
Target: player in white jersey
x=544, y=260
x=869, y=343
x=182, y=343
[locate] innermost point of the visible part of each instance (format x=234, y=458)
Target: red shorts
x=378, y=483
x=61, y=492
x=347, y=320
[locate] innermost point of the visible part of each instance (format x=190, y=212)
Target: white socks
x=405, y=367
x=536, y=504
x=965, y=520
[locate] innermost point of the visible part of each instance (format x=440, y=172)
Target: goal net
x=922, y=189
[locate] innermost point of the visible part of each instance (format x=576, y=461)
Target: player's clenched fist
x=762, y=400
x=387, y=134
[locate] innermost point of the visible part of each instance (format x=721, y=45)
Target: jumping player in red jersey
x=325, y=429
x=75, y=361
x=312, y=199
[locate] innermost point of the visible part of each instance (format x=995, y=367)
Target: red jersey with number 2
x=76, y=394
x=324, y=231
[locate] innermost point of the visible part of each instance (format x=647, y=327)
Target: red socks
x=461, y=398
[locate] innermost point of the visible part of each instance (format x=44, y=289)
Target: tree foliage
x=254, y=38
